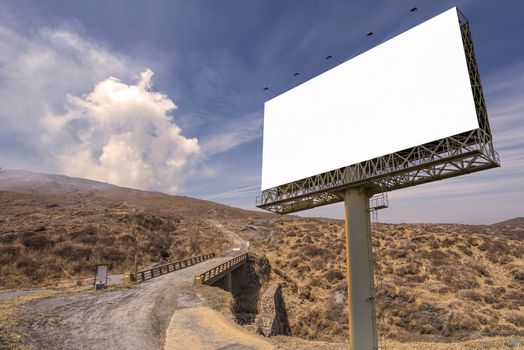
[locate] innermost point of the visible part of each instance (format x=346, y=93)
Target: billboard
x=410, y=90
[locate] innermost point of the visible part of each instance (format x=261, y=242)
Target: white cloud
x=250, y=191
x=122, y=134
x=236, y=133
x=64, y=110
x=37, y=72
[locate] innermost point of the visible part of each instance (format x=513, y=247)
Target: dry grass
x=434, y=282
x=492, y=343
x=50, y=239
x=439, y=283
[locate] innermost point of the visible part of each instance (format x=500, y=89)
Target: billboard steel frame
x=356, y=184
x=452, y=156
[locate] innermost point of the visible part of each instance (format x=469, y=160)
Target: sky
x=168, y=95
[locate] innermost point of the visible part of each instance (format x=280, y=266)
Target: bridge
x=122, y=317
x=228, y=274
x=161, y=269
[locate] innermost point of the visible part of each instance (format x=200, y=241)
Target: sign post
x=101, y=276
x=359, y=260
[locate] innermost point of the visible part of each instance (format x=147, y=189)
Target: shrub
x=7, y=237
x=409, y=269
x=481, y=270
x=457, y=281
x=334, y=275
x=9, y=253
x=396, y=253
x=195, y=243
x=459, y=322
x=305, y=293
x=317, y=263
x=436, y=257
x=303, y=269
x=471, y=295
x=37, y=242
x=416, y=278
x=90, y=240
x=40, y=228
x=89, y=230
x=293, y=254
x=111, y=254
x=306, y=239
x=434, y=244
x=70, y=251
x=312, y=250
x=27, y=265
x=517, y=318
x=465, y=250
x=448, y=242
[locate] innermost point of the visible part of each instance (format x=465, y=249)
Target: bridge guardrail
x=214, y=274
x=155, y=271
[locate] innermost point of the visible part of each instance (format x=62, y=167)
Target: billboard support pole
x=359, y=260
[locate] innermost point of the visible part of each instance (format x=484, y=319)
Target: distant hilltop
x=31, y=182
x=515, y=221
x=28, y=182
x=40, y=183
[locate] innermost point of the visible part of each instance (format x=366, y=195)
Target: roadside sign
x=101, y=276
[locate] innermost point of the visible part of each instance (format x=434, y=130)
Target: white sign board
x=410, y=90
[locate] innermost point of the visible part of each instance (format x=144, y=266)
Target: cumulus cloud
x=37, y=72
x=123, y=134
x=66, y=108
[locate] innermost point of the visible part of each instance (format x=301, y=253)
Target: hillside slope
x=47, y=235
x=434, y=282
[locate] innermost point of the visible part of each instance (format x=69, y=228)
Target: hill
x=435, y=282
x=30, y=182
x=514, y=221
x=48, y=234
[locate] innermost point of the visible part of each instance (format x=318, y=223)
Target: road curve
x=134, y=318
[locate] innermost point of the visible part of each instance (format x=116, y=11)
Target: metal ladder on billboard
x=377, y=202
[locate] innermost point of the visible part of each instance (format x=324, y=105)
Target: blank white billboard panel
x=410, y=90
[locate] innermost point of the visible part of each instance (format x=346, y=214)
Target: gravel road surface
x=126, y=318
x=10, y=294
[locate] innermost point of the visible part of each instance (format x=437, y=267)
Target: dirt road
x=238, y=243
x=134, y=318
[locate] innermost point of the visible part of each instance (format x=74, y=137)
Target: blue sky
x=89, y=88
